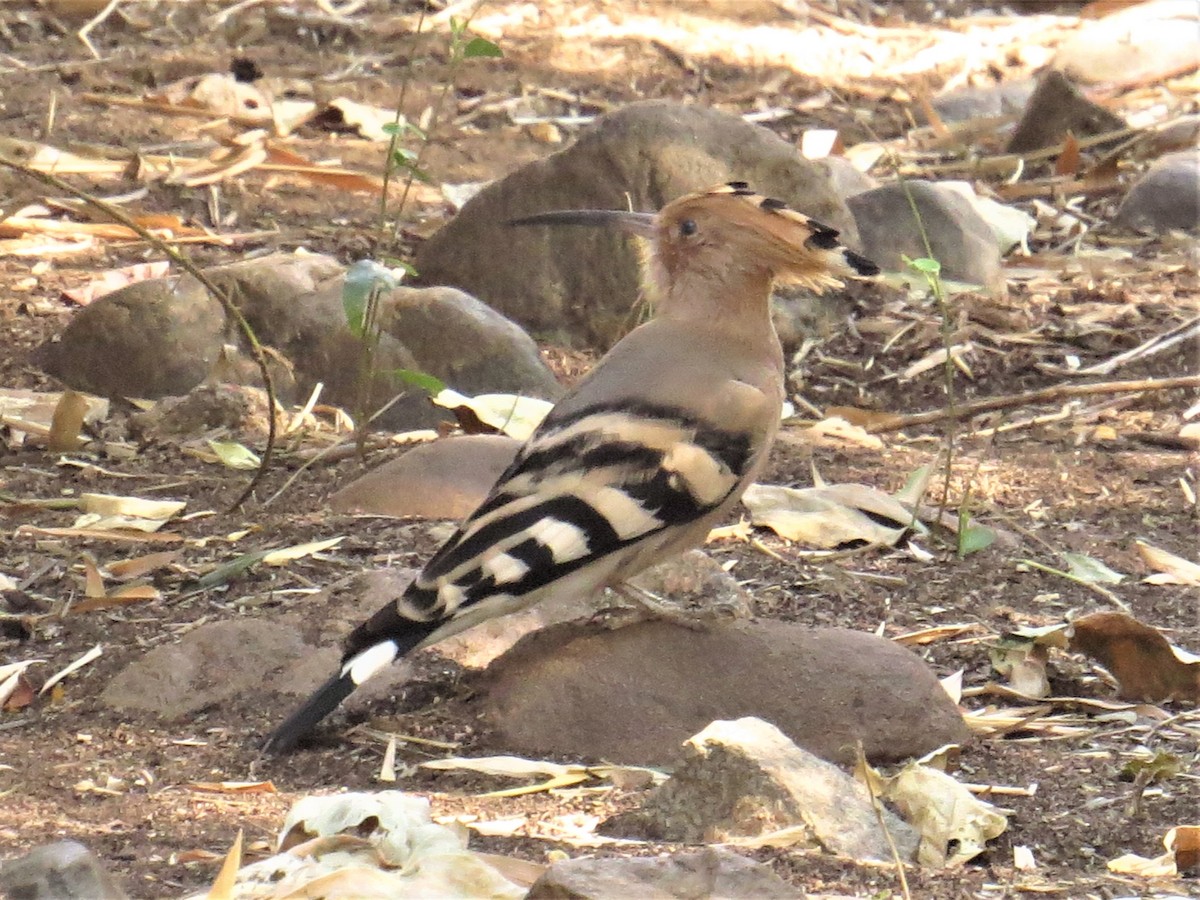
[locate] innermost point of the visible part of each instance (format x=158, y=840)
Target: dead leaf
x=954, y=825
x=1146, y=666
x=1182, y=856
x=224, y=886
x=67, y=422
x=71, y=668
x=509, y=414
x=234, y=787
x=136, y=567
x=285, y=555
x=1171, y=569
x=828, y=516
x=107, y=282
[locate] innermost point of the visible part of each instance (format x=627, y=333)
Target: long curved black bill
x=641, y=224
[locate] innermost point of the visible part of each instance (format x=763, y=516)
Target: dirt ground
x=1090, y=483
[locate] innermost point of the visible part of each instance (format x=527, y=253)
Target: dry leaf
x=285, y=555
x=828, y=516
x=134, y=507
x=509, y=414
x=1182, y=856
x=1171, y=569
x=225, y=884
x=954, y=825
x=1139, y=657
x=109, y=281
x=67, y=422
x=234, y=787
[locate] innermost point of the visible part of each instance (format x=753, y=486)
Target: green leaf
x=230, y=570
x=974, y=538
x=235, y=455
x=926, y=266
x=1089, y=569
x=481, y=47
x=428, y=383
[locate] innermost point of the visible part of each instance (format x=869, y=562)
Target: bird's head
x=724, y=235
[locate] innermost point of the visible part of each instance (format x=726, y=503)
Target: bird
x=637, y=462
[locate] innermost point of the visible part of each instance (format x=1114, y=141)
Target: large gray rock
x=65, y=870
x=706, y=874
x=960, y=238
x=580, y=285
x=1166, y=197
x=163, y=337
x=634, y=694
x=745, y=779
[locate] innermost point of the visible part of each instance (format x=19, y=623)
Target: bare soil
x=1062, y=485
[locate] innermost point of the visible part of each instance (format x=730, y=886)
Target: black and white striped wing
x=586, y=486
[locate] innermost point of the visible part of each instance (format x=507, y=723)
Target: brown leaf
x=1143, y=662
x=1068, y=161
x=67, y=422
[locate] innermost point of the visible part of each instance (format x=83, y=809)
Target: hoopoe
x=646, y=453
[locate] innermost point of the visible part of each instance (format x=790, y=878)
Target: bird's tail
x=354, y=672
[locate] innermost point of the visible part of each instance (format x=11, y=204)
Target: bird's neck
x=738, y=303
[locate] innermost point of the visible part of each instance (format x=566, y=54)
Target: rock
x=466, y=343
x=845, y=178
x=1055, y=108
x=170, y=335
x=242, y=410
x=967, y=103
x=151, y=339
x=632, y=695
x=961, y=240
x=1167, y=196
x=707, y=874
x=291, y=654
x=577, y=285
x=210, y=664
x=745, y=779
x=1142, y=43
x=688, y=583
x=65, y=870
x=443, y=479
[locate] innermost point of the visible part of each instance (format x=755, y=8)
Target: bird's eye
x=687, y=227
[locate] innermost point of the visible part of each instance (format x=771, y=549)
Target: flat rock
x=966, y=103
x=960, y=238
x=1167, y=196
x=634, y=694
x=707, y=874
x=1136, y=45
x=443, y=479
x=745, y=779
x=65, y=870
x=1056, y=107
x=580, y=285
x=208, y=665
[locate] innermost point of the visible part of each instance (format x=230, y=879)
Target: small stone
x=1055, y=108
x=707, y=874
x=959, y=237
x=632, y=695
x=65, y=870
x=443, y=479
x=745, y=779
x=1166, y=197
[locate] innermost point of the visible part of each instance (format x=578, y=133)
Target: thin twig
x=83, y=32
x=1028, y=398
x=1156, y=344
x=119, y=215
x=887, y=834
